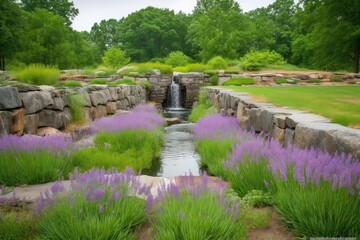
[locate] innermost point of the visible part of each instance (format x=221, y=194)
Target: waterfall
x=174, y=95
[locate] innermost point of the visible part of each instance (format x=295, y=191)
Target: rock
x=113, y=93
x=87, y=113
x=111, y=108
x=36, y=101
x=66, y=99
x=9, y=98
x=157, y=72
x=46, y=88
x=58, y=104
x=172, y=121
x=289, y=137
x=5, y=122
x=98, y=112
x=18, y=119
x=122, y=104
x=31, y=124
x=55, y=119
x=26, y=88
x=81, y=133
x=85, y=95
x=294, y=119
x=47, y=131
x=279, y=120
x=98, y=97
x=231, y=113
x=279, y=134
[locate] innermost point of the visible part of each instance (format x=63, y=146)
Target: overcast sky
x=96, y=10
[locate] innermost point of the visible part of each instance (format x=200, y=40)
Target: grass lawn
x=341, y=104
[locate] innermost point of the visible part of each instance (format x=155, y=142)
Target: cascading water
x=174, y=95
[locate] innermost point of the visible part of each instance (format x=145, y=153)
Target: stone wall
x=189, y=84
x=288, y=126
x=28, y=109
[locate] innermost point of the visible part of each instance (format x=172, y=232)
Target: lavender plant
x=100, y=205
x=31, y=159
x=194, y=211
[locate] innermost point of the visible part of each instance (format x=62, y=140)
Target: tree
x=177, y=58
x=63, y=8
x=152, y=32
x=11, y=21
x=105, y=34
x=46, y=40
x=328, y=34
x=115, y=57
x=217, y=29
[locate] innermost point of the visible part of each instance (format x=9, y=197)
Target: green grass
x=338, y=103
x=313, y=80
x=122, y=81
x=239, y=81
x=336, y=79
x=202, y=109
x=38, y=74
x=76, y=108
x=194, y=67
x=70, y=83
x=285, y=67
x=16, y=224
x=101, y=81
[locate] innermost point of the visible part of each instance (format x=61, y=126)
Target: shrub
x=100, y=205
x=76, y=105
x=70, y=83
x=258, y=199
x=146, y=84
x=100, y=81
x=32, y=159
x=144, y=68
x=178, y=208
x=336, y=79
x=313, y=80
x=39, y=74
x=196, y=67
x=281, y=80
x=214, y=80
x=217, y=63
x=115, y=57
x=177, y=58
x=16, y=225
x=257, y=59
x=202, y=109
x=157, y=60
x=122, y=81
x=239, y=81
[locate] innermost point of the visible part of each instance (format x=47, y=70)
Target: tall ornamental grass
x=190, y=211
x=317, y=194
x=38, y=74
x=202, y=108
x=100, y=205
x=32, y=159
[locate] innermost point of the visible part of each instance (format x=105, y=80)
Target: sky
x=94, y=11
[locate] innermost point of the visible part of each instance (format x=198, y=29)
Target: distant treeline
x=318, y=34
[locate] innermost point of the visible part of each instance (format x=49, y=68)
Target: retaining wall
x=288, y=126
x=29, y=109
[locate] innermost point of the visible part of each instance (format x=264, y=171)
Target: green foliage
x=132, y=148
x=218, y=63
x=115, y=57
x=313, y=80
x=146, y=84
x=149, y=67
x=258, y=199
x=194, y=67
x=281, y=80
x=177, y=58
x=239, y=81
x=101, y=81
x=214, y=80
x=178, y=218
x=122, y=81
x=105, y=35
x=70, y=83
x=336, y=79
x=202, y=109
x=76, y=105
x=38, y=74
x=29, y=168
x=300, y=97
x=254, y=60
x=78, y=218
x=212, y=153
x=16, y=225
x=256, y=218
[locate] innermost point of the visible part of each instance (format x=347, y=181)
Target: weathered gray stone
x=9, y=98
x=58, y=104
x=18, y=121
x=85, y=95
x=279, y=134
x=36, y=101
x=289, y=137
x=98, y=97
x=31, y=123
x=5, y=122
x=98, y=112
x=113, y=93
x=26, y=88
x=279, y=120
x=122, y=104
x=66, y=98
x=55, y=119
x=47, y=131
x=294, y=119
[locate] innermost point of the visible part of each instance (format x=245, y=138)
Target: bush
x=258, y=59
x=100, y=205
x=101, y=81
x=122, y=81
x=76, y=105
x=39, y=74
x=202, y=109
x=286, y=80
x=144, y=68
x=313, y=80
x=32, y=159
x=217, y=63
x=214, y=80
x=16, y=225
x=239, y=81
x=336, y=79
x=115, y=57
x=146, y=84
x=196, y=67
x=177, y=58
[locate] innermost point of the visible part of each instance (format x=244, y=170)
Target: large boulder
x=98, y=98
x=18, y=121
x=55, y=119
x=36, y=101
x=9, y=98
x=31, y=123
x=111, y=108
x=5, y=122
x=98, y=112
